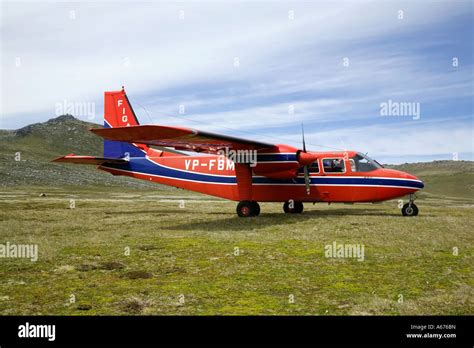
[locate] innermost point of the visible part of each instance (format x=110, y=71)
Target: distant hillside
x=39, y=143
x=444, y=178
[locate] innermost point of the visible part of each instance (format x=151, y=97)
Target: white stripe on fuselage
x=261, y=184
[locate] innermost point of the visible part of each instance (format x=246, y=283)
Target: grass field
x=202, y=259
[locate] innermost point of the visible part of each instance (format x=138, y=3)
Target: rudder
x=118, y=112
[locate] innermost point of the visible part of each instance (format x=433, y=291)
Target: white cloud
x=78, y=59
x=149, y=49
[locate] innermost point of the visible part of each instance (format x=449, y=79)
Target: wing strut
x=243, y=172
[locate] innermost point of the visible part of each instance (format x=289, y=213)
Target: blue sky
x=290, y=69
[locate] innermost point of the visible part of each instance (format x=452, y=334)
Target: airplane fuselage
x=216, y=176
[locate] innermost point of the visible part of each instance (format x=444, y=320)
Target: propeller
x=307, y=179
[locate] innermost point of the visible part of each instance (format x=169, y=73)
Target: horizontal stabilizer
x=88, y=160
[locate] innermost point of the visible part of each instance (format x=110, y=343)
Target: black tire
x=248, y=208
x=255, y=208
x=408, y=210
x=297, y=207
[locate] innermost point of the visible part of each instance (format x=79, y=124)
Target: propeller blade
x=307, y=179
x=302, y=133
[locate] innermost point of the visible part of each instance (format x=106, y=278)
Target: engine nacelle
x=282, y=162
x=305, y=158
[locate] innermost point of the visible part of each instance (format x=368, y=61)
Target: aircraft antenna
x=148, y=114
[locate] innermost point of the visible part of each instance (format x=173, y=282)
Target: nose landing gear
x=410, y=209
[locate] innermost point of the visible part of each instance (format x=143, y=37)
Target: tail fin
x=119, y=113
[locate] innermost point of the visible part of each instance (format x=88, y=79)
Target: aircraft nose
x=420, y=183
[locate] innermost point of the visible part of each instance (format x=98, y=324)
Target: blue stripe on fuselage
x=145, y=166
x=276, y=157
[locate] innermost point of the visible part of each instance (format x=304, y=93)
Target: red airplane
x=238, y=169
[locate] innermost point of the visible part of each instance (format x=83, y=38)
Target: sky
x=393, y=79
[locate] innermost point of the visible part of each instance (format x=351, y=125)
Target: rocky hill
x=26, y=154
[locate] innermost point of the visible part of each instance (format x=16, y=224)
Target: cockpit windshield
x=363, y=163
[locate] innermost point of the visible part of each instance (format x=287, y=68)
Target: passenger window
x=334, y=165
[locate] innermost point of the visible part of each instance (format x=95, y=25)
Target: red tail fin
x=119, y=113
x=117, y=110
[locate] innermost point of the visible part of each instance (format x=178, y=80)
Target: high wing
x=88, y=160
x=186, y=139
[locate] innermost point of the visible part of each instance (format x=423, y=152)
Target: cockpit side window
x=334, y=165
x=353, y=165
x=362, y=163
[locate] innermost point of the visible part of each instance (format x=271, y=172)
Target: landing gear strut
x=248, y=208
x=293, y=207
x=410, y=209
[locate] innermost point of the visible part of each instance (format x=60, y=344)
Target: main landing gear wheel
x=256, y=208
x=248, y=208
x=293, y=207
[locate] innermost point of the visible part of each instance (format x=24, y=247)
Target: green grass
x=191, y=252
